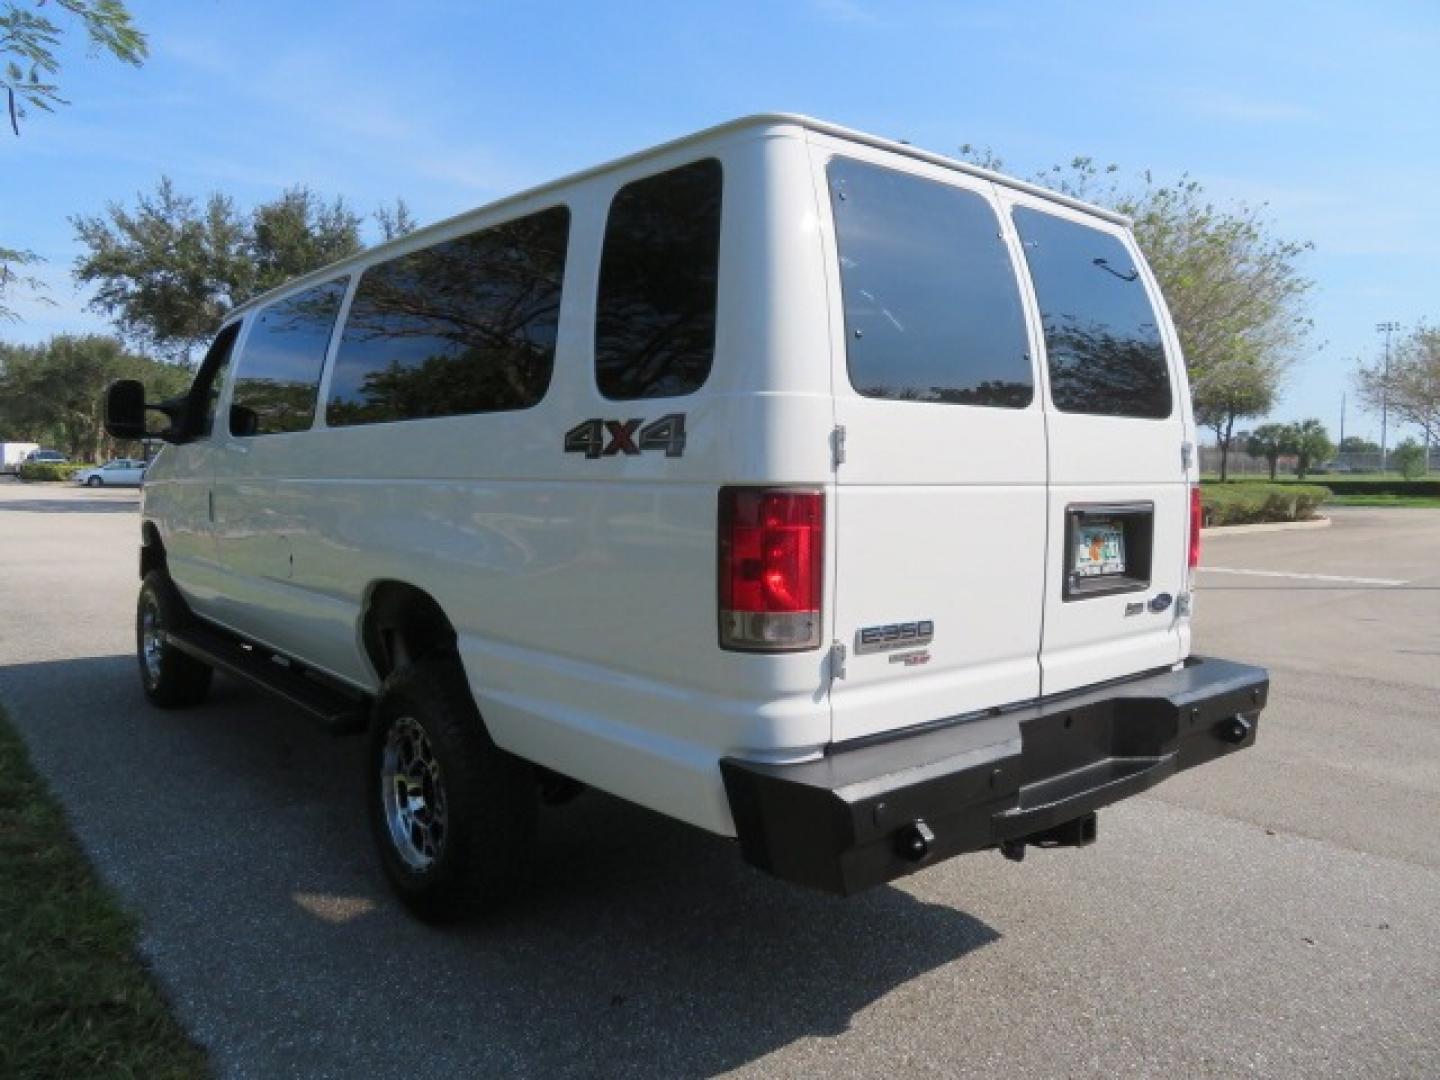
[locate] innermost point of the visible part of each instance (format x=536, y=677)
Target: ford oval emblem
x=1160, y=603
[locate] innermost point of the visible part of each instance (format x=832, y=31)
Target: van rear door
x=941, y=496
x=1119, y=502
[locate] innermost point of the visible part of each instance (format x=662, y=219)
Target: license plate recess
x=1107, y=548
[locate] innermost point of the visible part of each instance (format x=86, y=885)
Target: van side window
x=655, y=313
x=277, y=377
x=932, y=303
x=463, y=326
x=210, y=380
x=1101, y=334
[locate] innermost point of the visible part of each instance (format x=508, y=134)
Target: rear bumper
x=866, y=814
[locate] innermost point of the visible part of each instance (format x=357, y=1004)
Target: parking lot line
x=1305, y=577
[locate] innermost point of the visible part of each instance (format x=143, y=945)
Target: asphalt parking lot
x=1275, y=914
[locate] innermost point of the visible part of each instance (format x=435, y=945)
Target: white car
x=803, y=486
x=121, y=472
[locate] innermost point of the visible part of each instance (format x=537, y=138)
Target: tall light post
x=1386, y=328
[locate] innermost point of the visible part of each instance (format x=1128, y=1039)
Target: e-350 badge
x=902, y=635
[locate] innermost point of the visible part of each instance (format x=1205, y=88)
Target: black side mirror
x=125, y=410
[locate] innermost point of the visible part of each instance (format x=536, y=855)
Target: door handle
x=210, y=504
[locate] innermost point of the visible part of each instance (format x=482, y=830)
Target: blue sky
x=1327, y=112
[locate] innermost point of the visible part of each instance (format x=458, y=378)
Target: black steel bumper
x=865, y=814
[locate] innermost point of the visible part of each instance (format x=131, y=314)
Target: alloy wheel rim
x=151, y=641
x=413, y=795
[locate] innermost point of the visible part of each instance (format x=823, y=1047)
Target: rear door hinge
x=1187, y=453
x=837, y=444
x=837, y=660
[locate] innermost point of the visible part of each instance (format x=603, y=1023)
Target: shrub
x=1409, y=458
x=1245, y=504
x=49, y=470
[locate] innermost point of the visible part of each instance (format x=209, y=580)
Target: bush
x=1249, y=503
x=1343, y=485
x=1409, y=458
x=49, y=470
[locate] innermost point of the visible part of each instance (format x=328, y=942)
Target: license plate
x=1099, y=549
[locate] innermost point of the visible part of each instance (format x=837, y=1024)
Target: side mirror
x=125, y=410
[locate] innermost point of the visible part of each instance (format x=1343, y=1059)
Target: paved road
x=1277, y=914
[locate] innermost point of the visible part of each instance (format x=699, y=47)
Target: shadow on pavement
x=72, y=506
x=643, y=947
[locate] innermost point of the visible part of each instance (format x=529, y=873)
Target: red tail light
x=772, y=552
x=1197, y=518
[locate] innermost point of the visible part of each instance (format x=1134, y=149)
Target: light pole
x=1386, y=328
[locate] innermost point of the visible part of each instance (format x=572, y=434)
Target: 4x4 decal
x=627, y=437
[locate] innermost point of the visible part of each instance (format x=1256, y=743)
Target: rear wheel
x=452, y=814
x=172, y=679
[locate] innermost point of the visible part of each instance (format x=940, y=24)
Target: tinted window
x=465, y=326
x=1101, y=334
x=210, y=379
x=655, y=315
x=278, y=373
x=932, y=307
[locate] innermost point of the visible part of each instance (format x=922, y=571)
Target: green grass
x=1409, y=502
x=74, y=999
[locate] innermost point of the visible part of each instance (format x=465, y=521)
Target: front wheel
x=453, y=815
x=94, y=481
x=172, y=679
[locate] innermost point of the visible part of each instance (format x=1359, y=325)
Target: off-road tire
x=489, y=798
x=171, y=679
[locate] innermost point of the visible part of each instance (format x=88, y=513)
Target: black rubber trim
x=338, y=711
x=840, y=823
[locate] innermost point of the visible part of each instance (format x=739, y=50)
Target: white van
x=797, y=484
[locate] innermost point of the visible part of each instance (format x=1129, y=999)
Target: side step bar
x=337, y=711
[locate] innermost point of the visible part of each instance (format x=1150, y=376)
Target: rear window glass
x=655, y=313
x=278, y=374
x=465, y=326
x=1101, y=335
x=932, y=306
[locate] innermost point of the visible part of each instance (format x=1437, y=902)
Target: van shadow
x=641, y=946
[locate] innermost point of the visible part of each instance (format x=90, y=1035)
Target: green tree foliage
x=11, y=278
x=1358, y=444
x=1409, y=458
x=53, y=393
x=168, y=270
x=1311, y=444
x=1235, y=290
x=1271, y=441
x=1411, y=390
x=29, y=40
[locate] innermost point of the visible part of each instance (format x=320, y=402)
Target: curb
x=1269, y=527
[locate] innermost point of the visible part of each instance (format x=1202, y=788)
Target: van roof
x=760, y=120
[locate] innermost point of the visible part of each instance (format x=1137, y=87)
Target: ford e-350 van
x=803, y=486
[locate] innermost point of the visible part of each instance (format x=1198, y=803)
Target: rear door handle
x=210, y=504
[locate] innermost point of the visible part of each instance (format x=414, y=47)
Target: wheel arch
x=152, y=550
x=401, y=623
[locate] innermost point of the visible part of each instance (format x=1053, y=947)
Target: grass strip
x=75, y=1000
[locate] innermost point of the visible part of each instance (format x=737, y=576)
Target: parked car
x=121, y=472
x=683, y=479
x=47, y=457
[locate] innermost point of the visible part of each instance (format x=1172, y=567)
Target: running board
x=338, y=712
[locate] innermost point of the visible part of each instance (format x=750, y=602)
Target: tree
x=167, y=271
x=11, y=279
x=1411, y=391
x=28, y=40
x=395, y=221
x=1269, y=441
x=1410, y=458
x=1358, y=444
x=53, y=393
x=1235, y=290
x=1311, y=445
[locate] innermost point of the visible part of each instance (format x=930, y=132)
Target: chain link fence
x=1242, y=464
